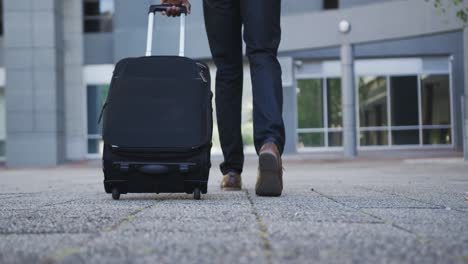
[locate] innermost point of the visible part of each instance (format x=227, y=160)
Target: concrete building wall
x=2, y=51
x=98, y=48
x=465, y=103
x=75, y=93
x=34, y=86
x=370, y=22
x=300, y=6
x=289, y=103
x=355, y=3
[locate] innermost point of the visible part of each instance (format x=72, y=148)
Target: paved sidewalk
x=365, y=211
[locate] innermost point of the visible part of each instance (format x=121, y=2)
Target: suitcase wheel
x=196, y=194
x=115, y=194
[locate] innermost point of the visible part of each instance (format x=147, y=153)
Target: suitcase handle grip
x=149, y=37
x=161, y=8
x=154, y=169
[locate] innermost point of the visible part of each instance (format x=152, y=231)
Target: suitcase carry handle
x=154, y=169
x=161, y=8
x=149, y=38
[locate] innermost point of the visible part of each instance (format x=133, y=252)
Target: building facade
x=57, y=57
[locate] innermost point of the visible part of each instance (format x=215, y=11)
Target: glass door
x=319, y=113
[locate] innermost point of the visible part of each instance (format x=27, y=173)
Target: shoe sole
x=269, y=180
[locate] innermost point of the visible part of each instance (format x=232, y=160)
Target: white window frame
x=95, y=75
x=410, y=67
x=3, y=83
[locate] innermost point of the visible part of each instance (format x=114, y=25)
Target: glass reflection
x=437, y=136
x=435, y=99
x=404, y=100
x=374, y=138
x=405, y=137
x=311, y=140
x=335, y=139
x=310, y=103
x=372, y=101
x=335, y=115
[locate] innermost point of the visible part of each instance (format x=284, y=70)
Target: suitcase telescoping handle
x=159, y=8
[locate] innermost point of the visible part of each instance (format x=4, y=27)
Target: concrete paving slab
x=38, y=248
x=350, y=243
x=384, y=211
x=441, y=224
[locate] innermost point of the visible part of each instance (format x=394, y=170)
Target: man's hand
x=174, y=11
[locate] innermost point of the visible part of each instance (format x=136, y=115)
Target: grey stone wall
x=75, y=92
x=465, y=128
x=354, y=3
x=34, y=86
x=289, y=104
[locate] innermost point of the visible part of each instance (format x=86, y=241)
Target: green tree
x=460, y=6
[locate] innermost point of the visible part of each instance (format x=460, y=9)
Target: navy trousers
x=262, y=35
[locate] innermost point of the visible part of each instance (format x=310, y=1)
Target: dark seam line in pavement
x=61, y=254
x=35, y=210
x=348, y=222
x=16, y=193
x=413, y=199
x=46, y=233
x=60, y=203
x=408, y=207
x=9, y=197
x=126, y=219
x=419, y=237
x=266, y=244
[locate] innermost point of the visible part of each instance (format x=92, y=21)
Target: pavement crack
x=418, y=236
x=27, y=211
x=263, y=231
x=61, y=254
x=16, y=233
x=125, y=219
x=59, y=203
x=438, y=206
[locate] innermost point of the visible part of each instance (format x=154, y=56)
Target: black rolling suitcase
x=157, y=123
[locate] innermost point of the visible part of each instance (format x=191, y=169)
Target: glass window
x=98, y=15
x=335, y=139
x=311, y=140
x=374, y=138
x=310, y=103
x=96, y=96
x=435, y=99
x=372, y=101
x=2, y=122
x=335, y=115
x=437, y=137
x=330, y=4
x=405, y=137
x=1, y=17
x=404, y=100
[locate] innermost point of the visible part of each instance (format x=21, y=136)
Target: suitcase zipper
x=152, y=153
x=203, y=77
x=158, y=150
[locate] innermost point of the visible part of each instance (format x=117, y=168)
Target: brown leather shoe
x=231, y=182
x=270, y=171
